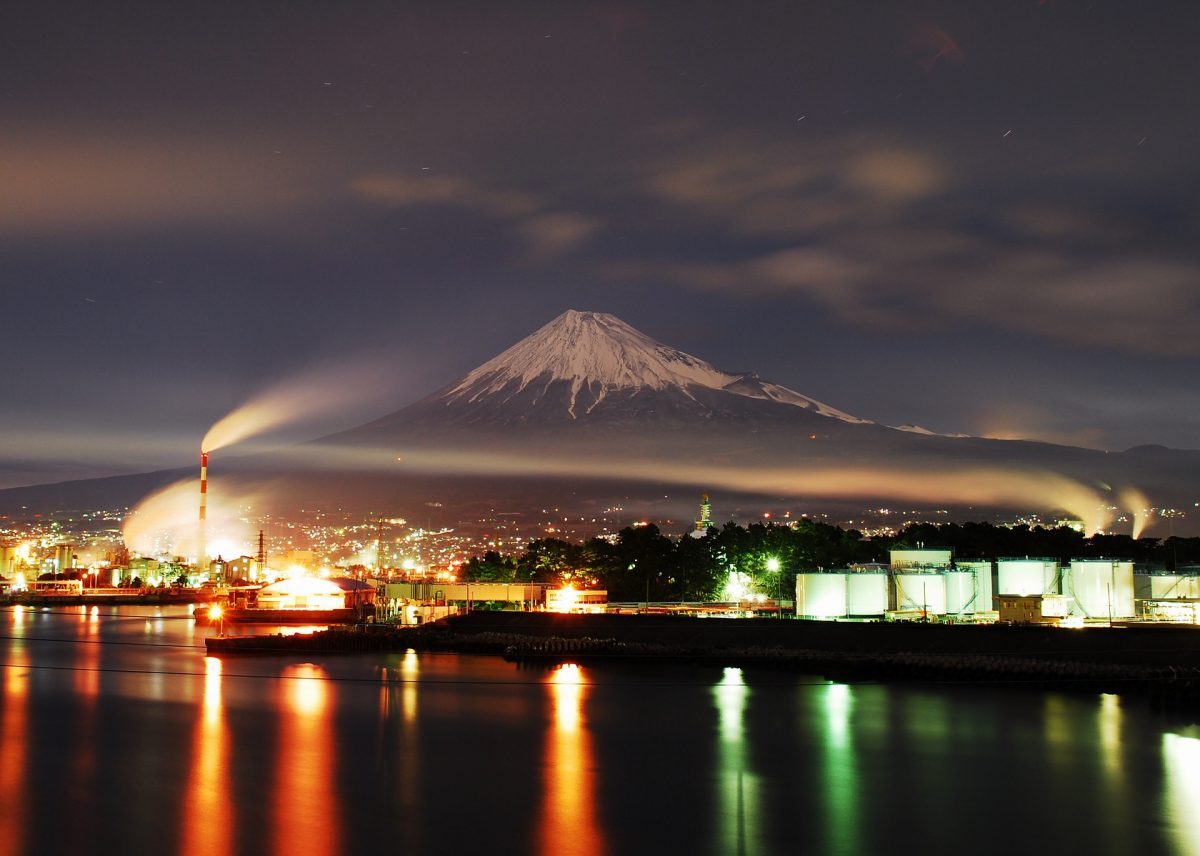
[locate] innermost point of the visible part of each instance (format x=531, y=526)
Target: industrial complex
x=931, y=585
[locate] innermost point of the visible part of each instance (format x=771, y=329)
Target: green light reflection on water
x=1181, y=761
x=841, y=779
x=738, y=789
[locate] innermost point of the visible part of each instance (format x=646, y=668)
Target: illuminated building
x=302, y=593
x=705, y=521
x=922, y=557
x=571, y=599
x=1033, y=608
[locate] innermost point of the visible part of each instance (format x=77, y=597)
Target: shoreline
x=1106, y=660
x=149, y=598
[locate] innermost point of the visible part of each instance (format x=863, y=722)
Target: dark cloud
x=548, y=233
x=77, y=179
x=884, y=237
x=878, y=209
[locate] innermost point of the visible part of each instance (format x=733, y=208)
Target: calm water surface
x=117, y=735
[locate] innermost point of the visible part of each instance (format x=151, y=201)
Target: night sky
x=976, y=216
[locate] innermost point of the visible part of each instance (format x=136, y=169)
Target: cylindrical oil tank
x=1102, y=588
x=1174, y=586
x=64, y=558
x=867, y=593
x=925, y=592
x=821, y=595
x=8, y=561
x=982, y=570
x=1027, y=576
x=961, y=594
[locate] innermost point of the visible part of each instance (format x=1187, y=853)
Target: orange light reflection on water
x=411, y=670
x=13, y=739
x=82, y=779
x=306, y=805
x=87, y=676
x=208, y=814
x=569, y=814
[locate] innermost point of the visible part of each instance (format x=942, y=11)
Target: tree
x=491, y=567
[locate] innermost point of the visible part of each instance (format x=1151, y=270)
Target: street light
x=216, y=615
x=773, y=568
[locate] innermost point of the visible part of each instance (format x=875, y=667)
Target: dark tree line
x=642, y=563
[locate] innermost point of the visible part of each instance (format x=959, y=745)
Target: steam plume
x=308, y=396
x=164, y=523
x=1018, y=488
x=1135, y=502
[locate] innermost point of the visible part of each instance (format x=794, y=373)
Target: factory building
x=8, y=560
x=513, y=595
x=241, y=568
x=423, y=601
x=922, y=557
x=1033, y=608
x=64, y=558
x=307, y=593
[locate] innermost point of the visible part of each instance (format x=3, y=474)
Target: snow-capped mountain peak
x=590, y=347
x=597, y=355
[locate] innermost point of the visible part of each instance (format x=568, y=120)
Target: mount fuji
x=591, y=409
x=587, y=394
x=589, y=371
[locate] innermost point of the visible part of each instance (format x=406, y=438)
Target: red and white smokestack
x=203, y=486
x=202, y=547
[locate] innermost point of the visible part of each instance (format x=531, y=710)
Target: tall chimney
x=200, y=557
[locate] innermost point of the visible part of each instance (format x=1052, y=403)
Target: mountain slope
x=591, y=367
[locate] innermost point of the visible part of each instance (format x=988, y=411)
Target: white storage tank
x=921, y=591
x=1102, y=588
x=1174, y=586
x=1027, y=576
x=64, y=558
x=982, y=569
x=866, y=593
x=8, y=561
x=821, y=595
x=961, y=593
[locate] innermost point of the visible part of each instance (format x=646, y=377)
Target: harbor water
x=119, y=736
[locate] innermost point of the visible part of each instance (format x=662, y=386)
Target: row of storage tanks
x=870, y=592
x=929, y=581
x=64, y=559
